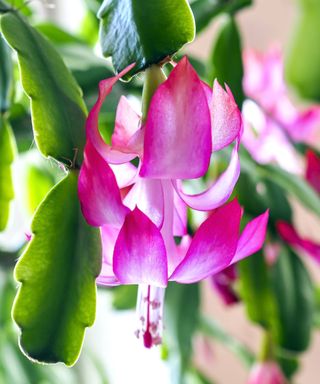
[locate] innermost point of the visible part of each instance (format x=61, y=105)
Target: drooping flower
x=267, y=372
x=141, y=210
x=272, y=122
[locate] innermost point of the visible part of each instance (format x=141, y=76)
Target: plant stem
x=154, y=76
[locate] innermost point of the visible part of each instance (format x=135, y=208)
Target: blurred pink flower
x=186, y=121
x=272, y=122
x=267, y=372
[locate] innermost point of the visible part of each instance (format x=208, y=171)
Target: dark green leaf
x=58, y=111
x=181, y=312
x=6, y=66
x=206, y=10
x=293, y=185
x=289, y=363
x=255, y=290
x=212, y=329
x=294, y=296
x=226, y=59
x=7, y=150
x=56, y=299
x=289, y=183
x=144, y=32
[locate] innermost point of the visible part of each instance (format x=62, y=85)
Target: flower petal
x=179, y=216
x=289, y=234
x=126, y=174
x=109, y=236
x=313, y=170
x=139, y=253
x=127, y=126
x=92, y=130
x=212, y=247
x=177, y=141
x=223, y=282
x=98, y=191
x=252, y=237
x=147, y=195
x=219, y=192
x=226, y=118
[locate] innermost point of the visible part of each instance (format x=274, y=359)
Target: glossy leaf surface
x=144, y=32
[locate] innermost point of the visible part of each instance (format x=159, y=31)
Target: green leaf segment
x=57, y=297
x=58, y=111
x=56, y=300
x=7, y=151
x=144, y=32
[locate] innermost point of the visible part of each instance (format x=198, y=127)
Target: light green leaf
x=57, y=297
x=144, y=32
x=294, y=296
x=58, y=111
x=7, y=151
x=6, y=66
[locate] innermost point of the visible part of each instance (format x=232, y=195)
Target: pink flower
x=272, y=122
x=186, y=121
x=266, y=373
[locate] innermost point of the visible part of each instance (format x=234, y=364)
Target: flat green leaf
x=206, y=10
x=144, y=32
x=7, y=151
x=212, y=329
x=6, y=66
x=57, y=296
x=58, y=111
x=293, y=185
x=226, y=58
x=181, y=319
x=294, y=296
x=255, y=290
x=288, y=182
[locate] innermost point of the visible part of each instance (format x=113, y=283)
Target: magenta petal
x=289, y=234
x=177, y=141
x=98, y=191
x=252, y=237
x=226, y=118
x=223, y=282
x=106, y=151
x=139, y=253
x=313, y=170
x=147, y=195
x=212, y=247
x=219, y=192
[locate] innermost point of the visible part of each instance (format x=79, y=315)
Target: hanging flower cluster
x=142, y=210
